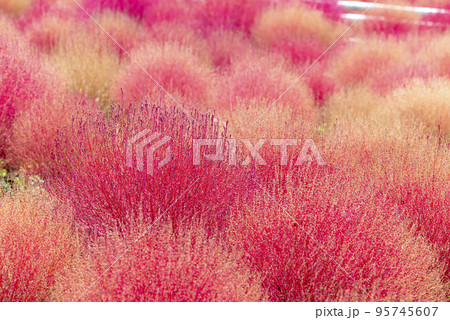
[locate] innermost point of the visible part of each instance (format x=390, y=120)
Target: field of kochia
x=79, y=79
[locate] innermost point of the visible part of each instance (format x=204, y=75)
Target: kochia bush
x=24, y=79
x=91, y=172
x=167, y=266
x=36, y=246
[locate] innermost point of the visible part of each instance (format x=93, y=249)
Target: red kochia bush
x=163, y=266
x=321, y=84
x=427, y=206
x=91, y=172
x=340, y=224
x=13, y=76
x=420, y=191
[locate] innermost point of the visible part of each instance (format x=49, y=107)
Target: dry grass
x=436, y=54
x=127, y=31
x=87, y=66
x=294, y=21
x=426, y=101
x=14, y=6
x=360, y=104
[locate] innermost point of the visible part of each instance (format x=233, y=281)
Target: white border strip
x=218, y=310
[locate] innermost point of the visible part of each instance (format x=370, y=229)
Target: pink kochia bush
x=125, y=30
x=238, y=15
x=329, y=7
x=255, y=78
x=226, y=46
x=410, y=178
x=178, y=69
x=34, y=131
x=167, y=266
x=15, y=77
x=298, y=32
x=135, y=8
x=36, y=247
x=371, y=61
x=33, y=105
x=91, y=172
x=390, y=22
x=149, y=11
x=321, y=84
x=23, y=80
x=47, y=22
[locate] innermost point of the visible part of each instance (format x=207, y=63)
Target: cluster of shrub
x=78, y=81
